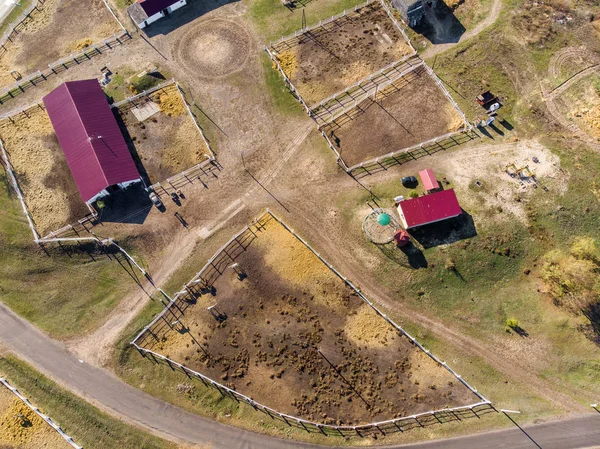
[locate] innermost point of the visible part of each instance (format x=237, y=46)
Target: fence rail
x=164, y=323
x=54, y=68
x=37, y=411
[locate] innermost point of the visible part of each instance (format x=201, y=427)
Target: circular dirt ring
x=215, y=48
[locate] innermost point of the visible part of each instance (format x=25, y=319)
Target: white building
x=145, y=12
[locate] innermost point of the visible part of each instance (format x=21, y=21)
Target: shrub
x=585, y=248
x=512, y=323
x=413, y=194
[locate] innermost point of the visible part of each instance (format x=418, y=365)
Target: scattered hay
x=21, y=427
x=288, y=60
x=170, y=102
x=82, y=43
x=589, y=118
x=366, y=327
x=35, y=155
x=177, y=155
x=455, y=122
x=290, y=259
x=40, y=18
x=426, y=373
x=356, y=71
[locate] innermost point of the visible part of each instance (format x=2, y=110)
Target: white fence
x=47, y=419
x=397, y=424
x=18, y=21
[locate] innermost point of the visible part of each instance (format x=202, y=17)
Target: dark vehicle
x=488, y=101
x=175, y=198
x=409, y=181
x=155, y=200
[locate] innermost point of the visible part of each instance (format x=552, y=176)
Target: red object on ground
x=429, y=208
x=90, y=137
x=401, y=237
x=428, y=180
x=152, y=7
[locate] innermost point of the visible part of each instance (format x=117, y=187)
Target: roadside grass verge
x=87, y=425
x=65, y=293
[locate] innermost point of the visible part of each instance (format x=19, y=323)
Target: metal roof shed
x=89, y=135
x=428, y=180
x=429, y=209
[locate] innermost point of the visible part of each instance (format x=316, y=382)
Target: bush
x=413, y=194
x=512, y=323
x=584, y=248
x=450, y=265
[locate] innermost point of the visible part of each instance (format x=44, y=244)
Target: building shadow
x=132, y=148
x=440, y=25
x=182, y=16
x=131, y=205
x=445, y=232
x=408, y=256
x=592, y=331
x=416, y=258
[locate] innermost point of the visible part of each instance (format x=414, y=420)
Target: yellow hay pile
x=170, y=102
x=367, y=328
x=21, y=427
x=288, y=62
x=589, y=117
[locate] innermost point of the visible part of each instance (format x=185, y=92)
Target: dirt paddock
x=42, y=171
x=26, y=432
x=166, y=143
x=412, y=110
x=67, y=25
x=331, y=58
x=292, y=336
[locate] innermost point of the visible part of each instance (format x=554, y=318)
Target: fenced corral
x=200, y=171
x=170, y=321
x=319, y=67
x=75, y=59
x=411, y=109
x=37, y=411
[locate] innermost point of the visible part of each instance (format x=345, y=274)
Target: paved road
x=110, y=393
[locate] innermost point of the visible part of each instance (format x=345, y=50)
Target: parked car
x=156, y=200
x=409, y=181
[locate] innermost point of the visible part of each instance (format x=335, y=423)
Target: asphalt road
x=110, y=393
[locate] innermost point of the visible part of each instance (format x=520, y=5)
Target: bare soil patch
x=21, y=427
x=414, y=109
x=214, y=48
x=297, y=339
x=327, y=60
x=166, y=143
x=59, y=28
x=42, y=171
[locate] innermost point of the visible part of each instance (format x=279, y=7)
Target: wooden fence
x=168, y=321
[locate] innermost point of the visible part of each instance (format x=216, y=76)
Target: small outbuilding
x=145, y=12
x=90, y=138
x=430, y=184
x=412, y=11
x=429, y=209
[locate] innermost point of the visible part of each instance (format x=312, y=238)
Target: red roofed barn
x=90, y=137
x=428, y=209
x=145, y=12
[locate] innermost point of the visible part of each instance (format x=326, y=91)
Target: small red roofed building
x=428, y=209
x=428, y=180
x=145, y=12
x=90, y=138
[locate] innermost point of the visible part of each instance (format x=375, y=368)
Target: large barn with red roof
x=91, y=139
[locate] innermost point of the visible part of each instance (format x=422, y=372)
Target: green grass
x=283, y=100
x=273, y=20
x=87, y=425
x=14, y=14
x=64, y=295
x=122, y=4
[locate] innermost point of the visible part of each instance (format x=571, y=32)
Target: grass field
x=87, y=425
x=64, y=295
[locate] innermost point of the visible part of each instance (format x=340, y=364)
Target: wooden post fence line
x=397, y=423
x=37, y=411
x=18, y=87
